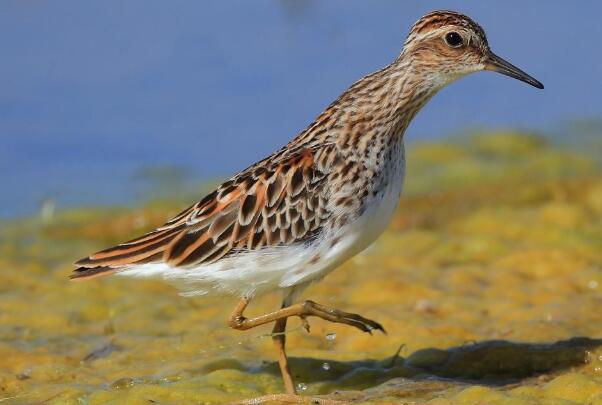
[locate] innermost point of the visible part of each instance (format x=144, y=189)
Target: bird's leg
x=307, y=308
x=238, y=321
x=279, y=339
x=303, y=309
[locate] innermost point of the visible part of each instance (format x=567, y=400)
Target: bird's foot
x=338, y=316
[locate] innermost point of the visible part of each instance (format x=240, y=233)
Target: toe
x=373, y=325
x=378, y=326
x=305, y=324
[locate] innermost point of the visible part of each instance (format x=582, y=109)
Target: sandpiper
x=290, y=219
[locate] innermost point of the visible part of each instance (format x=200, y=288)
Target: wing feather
x=274, y=203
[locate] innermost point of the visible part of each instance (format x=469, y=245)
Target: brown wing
x=269, y=204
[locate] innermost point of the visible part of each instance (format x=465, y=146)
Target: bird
x=288, y=220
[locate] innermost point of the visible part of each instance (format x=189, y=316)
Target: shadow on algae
x=496, y=363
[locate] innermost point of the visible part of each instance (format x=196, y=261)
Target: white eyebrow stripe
x=418, y=37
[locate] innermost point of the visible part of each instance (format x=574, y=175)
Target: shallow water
x=488, y=282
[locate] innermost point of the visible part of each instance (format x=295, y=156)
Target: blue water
x=91, y=92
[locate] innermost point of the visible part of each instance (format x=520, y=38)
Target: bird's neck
x=376, y=110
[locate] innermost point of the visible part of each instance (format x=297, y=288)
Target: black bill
x=497, y=64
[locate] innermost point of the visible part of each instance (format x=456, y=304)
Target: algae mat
x=488, y=281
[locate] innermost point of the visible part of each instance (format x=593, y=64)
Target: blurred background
x=114, y=102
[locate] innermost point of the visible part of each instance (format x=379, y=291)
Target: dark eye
x=453, y=39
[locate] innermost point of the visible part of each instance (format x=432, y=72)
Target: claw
x=379, y=327
x=305, y=324
x=364, y=324
x=373, y=325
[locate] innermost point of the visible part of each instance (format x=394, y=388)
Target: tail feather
x=148, y=248
x=85, y=273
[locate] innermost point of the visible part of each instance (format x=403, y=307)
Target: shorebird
x=290, y=219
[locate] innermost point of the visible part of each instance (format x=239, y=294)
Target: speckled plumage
x=296, y=215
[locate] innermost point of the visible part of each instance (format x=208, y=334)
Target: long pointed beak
x=497, y=64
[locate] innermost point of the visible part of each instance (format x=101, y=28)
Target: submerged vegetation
x=488, y=281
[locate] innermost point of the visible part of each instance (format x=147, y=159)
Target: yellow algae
x=488, y=282
x=542, y=263
x=506, y=143
x=563, y=215
x=593, y=197
x=574, y=387
x=479, y=395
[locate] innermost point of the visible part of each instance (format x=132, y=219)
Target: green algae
x=489, y=279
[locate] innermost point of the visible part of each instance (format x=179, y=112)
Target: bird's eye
x=453, y=39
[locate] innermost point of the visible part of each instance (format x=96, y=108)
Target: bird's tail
x=85, y=273
x=148, y=248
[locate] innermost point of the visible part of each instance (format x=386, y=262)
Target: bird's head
x=447, y=45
